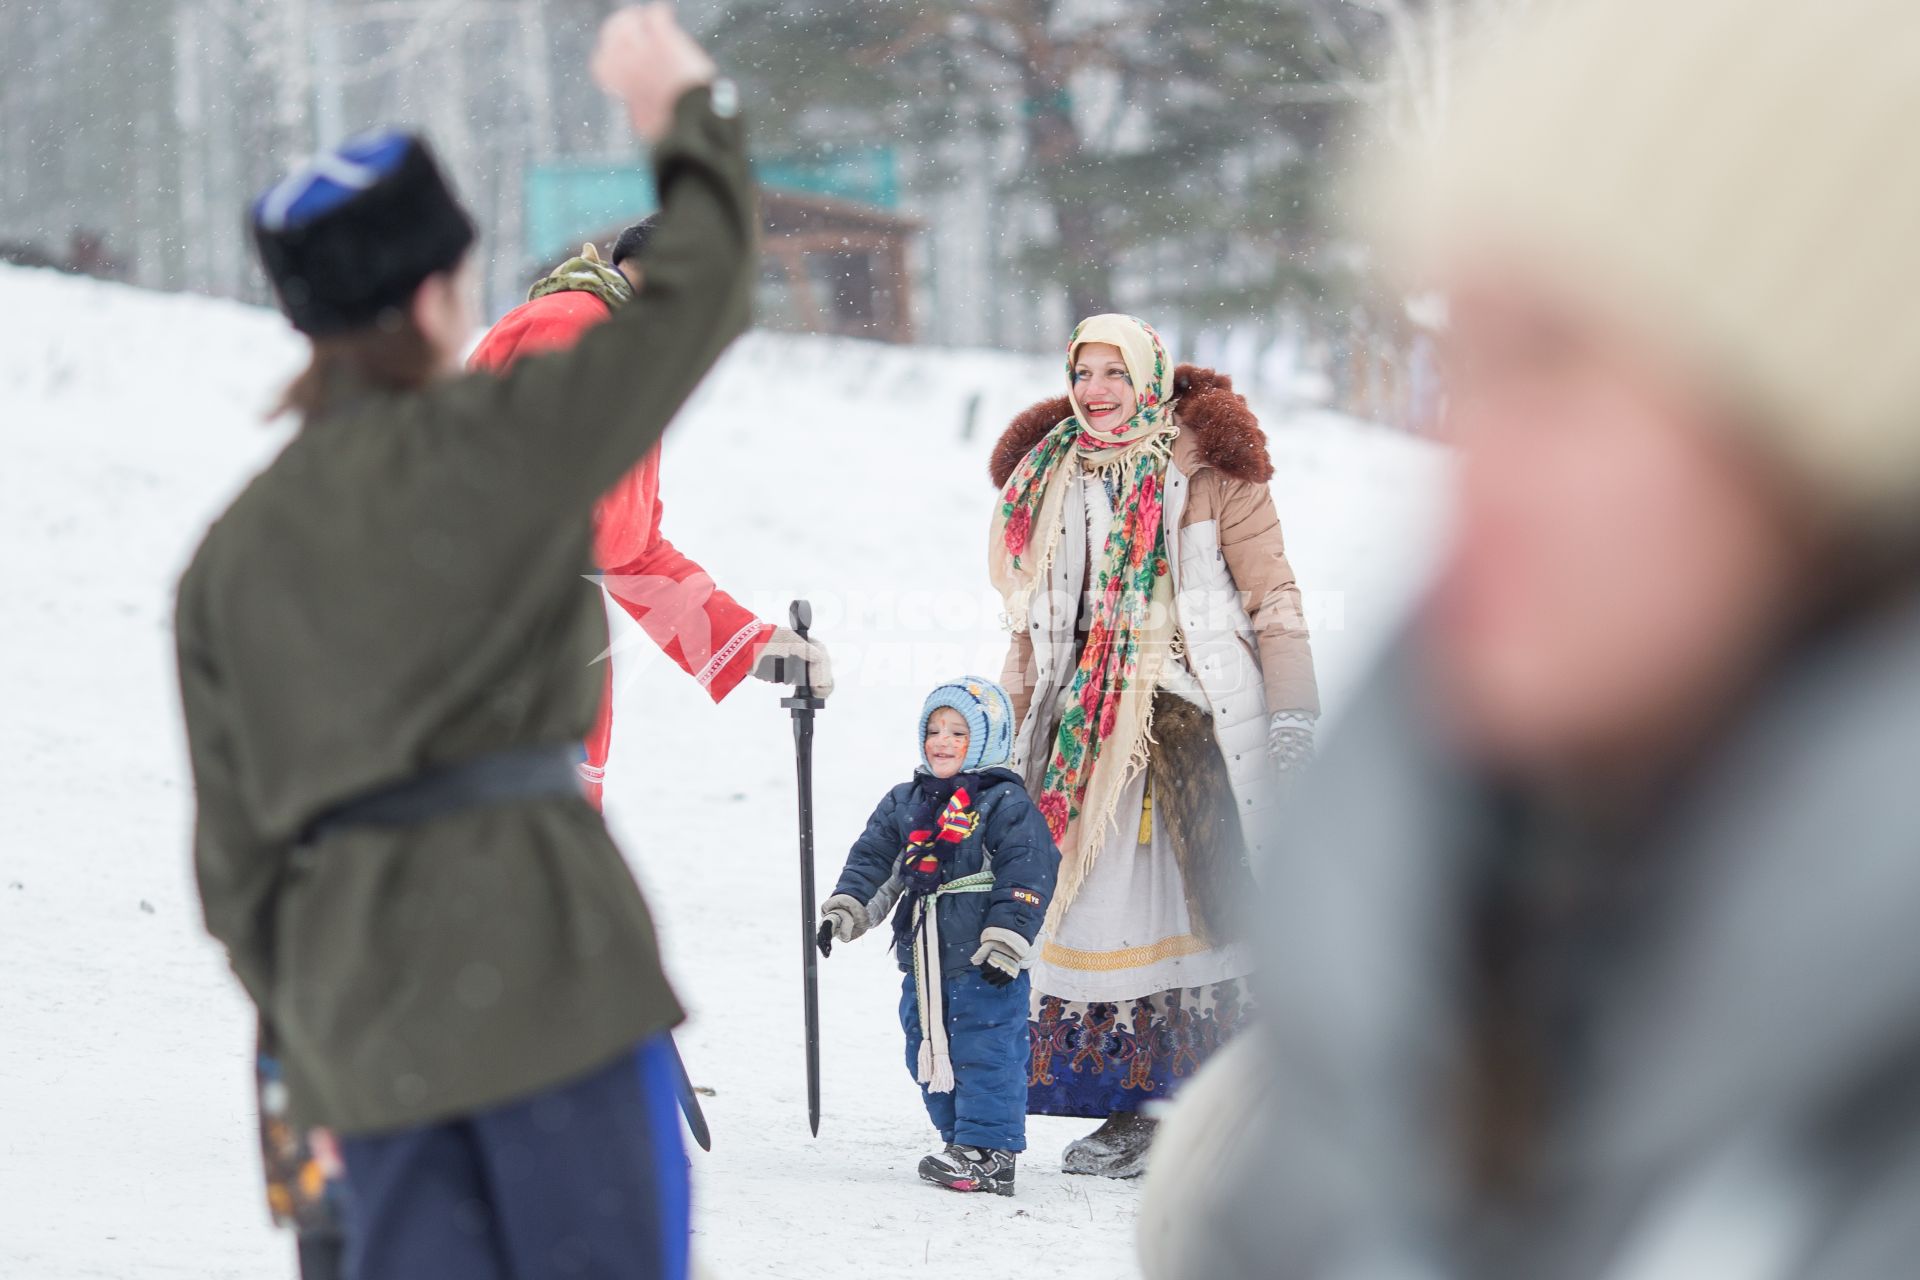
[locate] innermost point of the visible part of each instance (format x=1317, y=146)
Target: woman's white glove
x=1290, y=741
x=787, y=659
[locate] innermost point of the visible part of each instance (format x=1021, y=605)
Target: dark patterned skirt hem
x=1093, y=1060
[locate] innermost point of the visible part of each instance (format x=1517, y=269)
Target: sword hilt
x=800, y=621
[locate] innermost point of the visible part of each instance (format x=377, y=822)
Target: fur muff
x=1193, y=797
x=1224, y=428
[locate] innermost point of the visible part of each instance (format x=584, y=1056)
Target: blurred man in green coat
x=386, y=664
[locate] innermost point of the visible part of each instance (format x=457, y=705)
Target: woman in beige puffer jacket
x=1137, y=978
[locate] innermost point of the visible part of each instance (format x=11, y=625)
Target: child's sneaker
x=970, y=1169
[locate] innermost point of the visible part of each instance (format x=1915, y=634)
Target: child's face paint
x=946, y=744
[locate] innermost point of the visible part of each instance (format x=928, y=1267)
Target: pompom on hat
x=1732, y=178
x=988, y=711
x=353, y=232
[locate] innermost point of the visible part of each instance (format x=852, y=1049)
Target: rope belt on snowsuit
x=936, y=1061
x=518, y=773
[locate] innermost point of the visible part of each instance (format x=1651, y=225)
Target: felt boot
x=1117, y=1149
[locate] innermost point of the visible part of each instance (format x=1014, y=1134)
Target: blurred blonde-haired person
x=1589, y=954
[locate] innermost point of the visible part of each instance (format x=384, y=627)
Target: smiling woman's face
x=1101, y=387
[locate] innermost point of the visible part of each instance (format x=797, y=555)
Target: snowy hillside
x=823, y=468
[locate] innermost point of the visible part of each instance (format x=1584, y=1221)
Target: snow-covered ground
x=830, y=469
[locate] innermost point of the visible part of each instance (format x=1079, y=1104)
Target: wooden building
x=835, y=266
x=834, y=257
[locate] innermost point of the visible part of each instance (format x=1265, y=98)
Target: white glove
x=846, y=914
x=1290, y=741
x=1002, y=955
x=787, y=659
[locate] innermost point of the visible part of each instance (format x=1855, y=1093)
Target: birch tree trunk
x=190, y=124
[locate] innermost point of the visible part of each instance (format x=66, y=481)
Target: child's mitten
x=845, y=915
x=1002, y=955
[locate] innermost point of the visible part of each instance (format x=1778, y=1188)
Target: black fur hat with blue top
x=354, y=231
x=988, y=711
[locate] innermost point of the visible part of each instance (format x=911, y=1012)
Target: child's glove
x=1002, y=955
x=843, y=916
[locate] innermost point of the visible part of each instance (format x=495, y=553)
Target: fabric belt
x=978, y=882
x=934, y=1068
x=519, y=773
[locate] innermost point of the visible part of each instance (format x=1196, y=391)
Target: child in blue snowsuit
x=964, y=861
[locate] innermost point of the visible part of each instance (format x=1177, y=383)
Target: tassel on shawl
x=1146, y=815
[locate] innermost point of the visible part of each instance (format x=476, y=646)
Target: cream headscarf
x=1148, y=369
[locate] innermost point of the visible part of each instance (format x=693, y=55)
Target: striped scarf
x=931, y=841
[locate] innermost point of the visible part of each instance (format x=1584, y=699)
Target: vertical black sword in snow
x=803, y=704
x=689, y=1100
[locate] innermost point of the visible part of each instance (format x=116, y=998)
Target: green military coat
x=401, y=590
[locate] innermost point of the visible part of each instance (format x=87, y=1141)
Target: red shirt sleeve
x=713, y=638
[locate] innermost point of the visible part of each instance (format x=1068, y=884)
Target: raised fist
x=644, y=59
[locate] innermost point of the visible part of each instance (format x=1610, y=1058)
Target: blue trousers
x=987, y=1038
x=586, y=1180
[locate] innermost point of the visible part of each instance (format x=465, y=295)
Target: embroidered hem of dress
x=1096, y=1059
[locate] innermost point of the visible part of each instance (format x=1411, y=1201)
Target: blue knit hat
x=988, y=712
